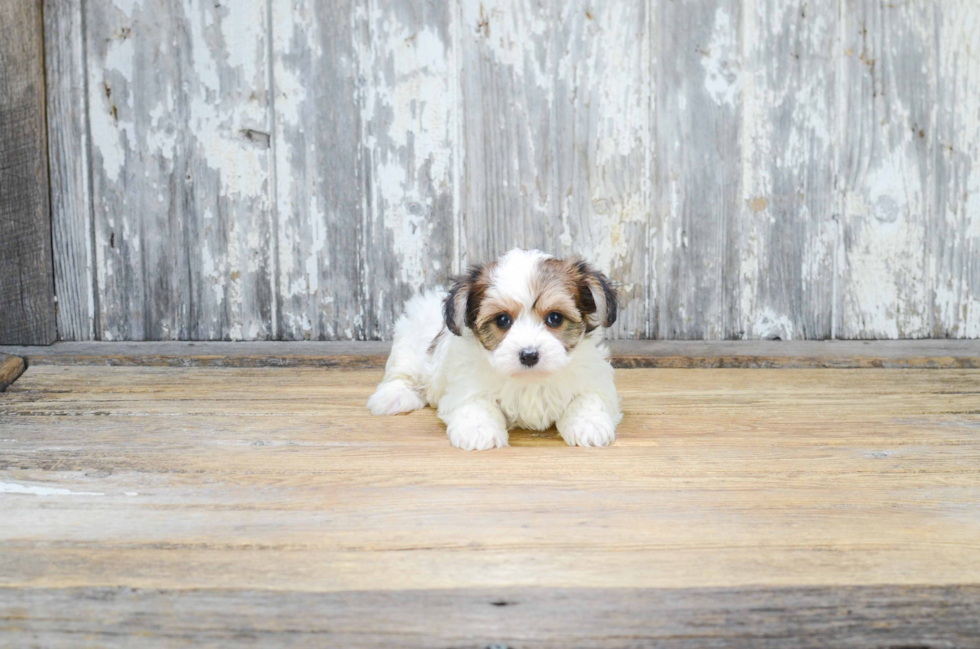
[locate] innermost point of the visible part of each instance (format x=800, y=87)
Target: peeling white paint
x=886, y=265
x=613, y=245
x=410, y=109
x=107, y=123
x=566, y=155
x=127, y=7
x=14, y=488
x=769, y=325
x=218, y=116
x=721, y=62
x=756, y=158
x=509, y=33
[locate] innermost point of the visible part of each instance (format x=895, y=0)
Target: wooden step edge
x=11, y=367
x=901, y=354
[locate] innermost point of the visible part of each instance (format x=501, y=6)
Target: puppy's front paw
x=596, y=429
x=477, y=435
x=394, y=398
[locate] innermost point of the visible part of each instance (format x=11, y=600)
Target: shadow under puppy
x=516, y=343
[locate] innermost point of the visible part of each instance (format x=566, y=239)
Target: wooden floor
x=160, y=506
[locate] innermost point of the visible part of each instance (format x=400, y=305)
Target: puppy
x=514, y=344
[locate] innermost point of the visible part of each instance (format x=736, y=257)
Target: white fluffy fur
x=481, y=394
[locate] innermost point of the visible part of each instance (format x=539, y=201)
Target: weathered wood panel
x=69, y=142
x=27, y=307
x=407, y=74
x=293, y=169
x=954, y=268
x=365, y=137
x=319, y=193
x=698, y=181
x=557, y=136
x=786, y=238
x=180, y=120
x=603, y=94
x=507, y=94
x=887, y=167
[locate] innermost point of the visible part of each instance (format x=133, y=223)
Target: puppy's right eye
x=503, y=321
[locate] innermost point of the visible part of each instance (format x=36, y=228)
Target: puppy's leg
x=405, y=372
x=587, y=422
x=395, y=396
x=476, y=426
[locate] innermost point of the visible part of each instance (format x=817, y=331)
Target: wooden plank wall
x=27, y=309
x=295, y=169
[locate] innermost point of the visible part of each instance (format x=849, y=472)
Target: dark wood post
x=27, y=304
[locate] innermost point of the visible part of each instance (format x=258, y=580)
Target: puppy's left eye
x=554, y=319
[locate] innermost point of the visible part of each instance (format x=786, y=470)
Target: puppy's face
x=530, y=310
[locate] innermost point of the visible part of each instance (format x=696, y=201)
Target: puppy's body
x=451, y=352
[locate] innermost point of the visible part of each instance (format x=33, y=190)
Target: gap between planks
x=901, y=354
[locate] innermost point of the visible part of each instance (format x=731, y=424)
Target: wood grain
x=786, y=238
x=179, y=114
x=954, y=245
x=699, y=121
x=11, y=367
x=407, y=57
x=887, y=168
x=27, y=307
x=319, y=172
x=872, y=616
x=822, y=477
x=69, y=140
x=507, y=58
x=176, y=500
x=295, y=170
x=557, y=128
x=365, y=162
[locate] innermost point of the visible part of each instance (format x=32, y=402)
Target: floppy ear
x=460, y=306
x=598, y=299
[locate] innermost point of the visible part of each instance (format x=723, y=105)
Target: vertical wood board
x=887, y=169
x=699, y=176
x=178, y=110
x=319, y=198
x=603, y=94
x=406, y=68
x=787, y=228
x=954, y=268
x=68, y=154
x=507, y=95
x=27, y=308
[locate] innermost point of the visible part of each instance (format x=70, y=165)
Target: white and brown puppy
x=514, y=344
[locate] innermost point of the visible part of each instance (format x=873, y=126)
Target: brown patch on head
x=486, y=326
x=582, y=295
x=556, y=291
x=465, y=303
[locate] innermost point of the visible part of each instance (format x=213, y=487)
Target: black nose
x=529, y=357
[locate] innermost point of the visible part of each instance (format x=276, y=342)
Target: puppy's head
x=530, y=310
